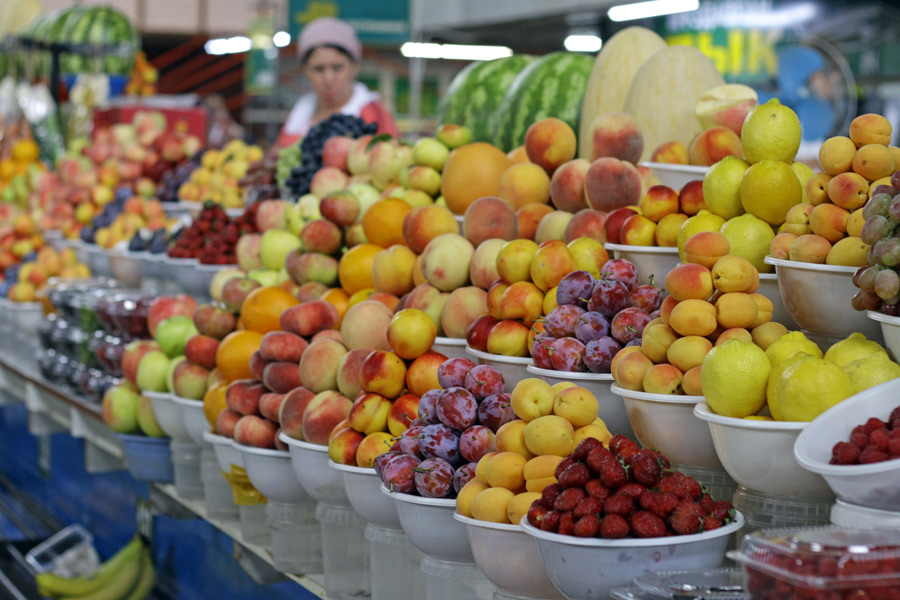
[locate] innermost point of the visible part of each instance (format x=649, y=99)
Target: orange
x=214, y=402
x=472, y=171
x=234, y=352
x=355, y=267
x=340, y=300
x=25, y=150
x=262, y=308
x=383, y=222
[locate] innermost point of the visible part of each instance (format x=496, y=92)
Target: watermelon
x=476, y=91
x=96, y=25
x=552, y=86
x=38, y=29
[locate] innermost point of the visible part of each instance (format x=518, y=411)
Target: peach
x=282, y=346
x=870, y=129
x=509, y=338
x=733, y=273
x=392, y=270
x=817, y=188
x=424, y=223
x=552, y=261
x=665, y=308
x=666, y=233
x=348, y=372
x=714, y=144
x=764, y=309
x=549, y=143
x=282, y=377
x=736, y=309
x=421, y=375
x=780, y=245
x=328, y=334
x=589, y=254
x=243, y=395
x=706, y=247
x=290, y=411
x=369, y=413
x=319, y=365
x=810, y=248
x=251, y=430
x=411, y=332
x=567, y=185
x=727, y=105
x=201, y=350
x=611, y=183
x=614, y=221
x=270, y=405
x=673, y=153
x=616, y=135
x=656, y=341
x=797, y=219
x=257, y=365
x=418, y=275
x=365, y=326
x=446, y=260
x=494, y=295
x=688, y=352
x=309, y=318
x=404, y=410
x=383, y=373
x=659, y=201
x=430, y=299
x=341, y=208
x=524, y=183
x=514, y=260
x=848, y=190
x=630, y=369
x=689, y=280
x=638, y=230
x=586, y=223
x=829, y=221
x=522, y=300
x=693, y=317
x=344, y=445
x=321, y=235
x=463, y=306
x=553, y=226
x=226, y=422
x=311, y=267
x=490, y=217
x=663, y=379
x=529, y=217
x=483, y=269
x=836, y=155
x=323, y=412
x=873, y=161
x=690, y=198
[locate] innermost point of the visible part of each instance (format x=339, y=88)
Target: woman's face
x=332, y=74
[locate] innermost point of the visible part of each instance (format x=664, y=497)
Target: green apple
x=120, y=408
x=173, y=333
x=170, y=372
x=275, y=245
x=429, y=152
x=454, y=136
x=293, y=219
x=367, y=196
x=264, y=277
x=309, y=207
x=151, y=373
x=146, y=419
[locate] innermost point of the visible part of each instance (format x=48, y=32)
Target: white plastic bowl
x=666, y=422
x=450, y=347
x=194, y=418
x=203, y=276
x=675, y=176
x=759, y=455
x=768, y=287
x=178, y=209
x=875, y=485
x=890, y=331
x=513, y=368
x=182, y=271
x=168, y=415
x=818, y=298
x=97, y=260
x=152, y=265
x=649, y=260
x=591, y=567
x=612, y=410
x=226, y=453
x=310, y=463
x=271, y=474
x=125, y=267
x=26, y=317
x=430, y=526
x=860, y=517
x=459, y=221
x=509, y=557
x=362, y=485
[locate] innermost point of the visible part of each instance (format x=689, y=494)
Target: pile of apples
x=23, y=282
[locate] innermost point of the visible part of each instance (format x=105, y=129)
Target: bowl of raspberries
x=620, y=512
x=854, y=446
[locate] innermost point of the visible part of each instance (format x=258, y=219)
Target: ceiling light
x=453, y=51
x=583, y=43
x=654, y=8
x=232, y=45
x=281, y=39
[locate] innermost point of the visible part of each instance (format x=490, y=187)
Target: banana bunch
x=127, y=575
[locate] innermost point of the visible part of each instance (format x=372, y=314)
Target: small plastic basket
x=69, y=552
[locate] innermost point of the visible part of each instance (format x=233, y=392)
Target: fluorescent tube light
x=653, y=8
x=453, y=51
x=583, y=43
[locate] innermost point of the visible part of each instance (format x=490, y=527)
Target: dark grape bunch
x=311, y=148
x=879, y=281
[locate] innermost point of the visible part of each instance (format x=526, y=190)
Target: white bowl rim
x=421, y=500
x=571, y=540
x=512, y=360
x=805, y=266
x=158, y=395
x=768, y=276
x=449, y=341
x=215, y=438
x=203, y=267
x=160, y=256
x=181, y=261
x=675, y=167
x=648, y=397
x=574, y=375
x=702, y=411
x=882, y=318
x=13, y=305
x=641, y=249
x=352, y=469
x=512, y=527
x=301, y=444
x=187, y=401
x=268, y=452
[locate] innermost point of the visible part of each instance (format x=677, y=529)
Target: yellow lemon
x=871, y=370
x=750, y=237
x=734, y=377
x=804, y=172
x=722, y=187
x=771, y=131
x=853, y=347
x=802, y=388
x=769, y=189
x=702, y=221
x=790, y=344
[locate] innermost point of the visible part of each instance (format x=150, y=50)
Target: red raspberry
x=895, y=426
x=645, y=468
x=588, y=506
x=632, y=490
x=607, y=468
x=569, y=499
x=566, y=524
x=575, y=475
x=550, y=493
x=685, y=519
x=872, y=455
x=895, y=415
x=536, y=514
x=879, y=439
x=709, y=523
x=617, y=504
x=859, y=429
x=844, y=453
x=894, y=447
x=660, y=504
x=587, y=526
x=550, y=522
x=614, y=527
x=645, y=524
x=581, y=451
x=860, y=439
x=623, y=447
x=596, y=489
x=562, y=466
x=874, y=424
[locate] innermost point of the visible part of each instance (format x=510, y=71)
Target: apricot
x=870, y=129
x=690, y=383
x=734, y=333
x=629, y=371
x=797, y=219
x=810, y=248
x=733, y=273
x=873, y=161
x=764, y=308
x=836, y=155
x=663, y=379
x=689, y=280
x=780, y=246
x=693, y=317
x=736, y=309
x=706, y=247
x=688, y=352
x=665, y=309
x=849, y=252
x=817, y=188
x=848, y=190
x=829, y=221
x=767, y=333
x=655, y=343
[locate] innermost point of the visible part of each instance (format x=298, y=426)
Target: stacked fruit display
x=217, y=176
x=658, y=217
x=23, y=282
x=143, y=77
x=123, y=218
x=18, y=170
x=212, y=236
x=19, y=238
x=125, y=410
x=878, y=282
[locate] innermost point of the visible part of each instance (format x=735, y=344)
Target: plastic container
x=252, y=519
x=676, y=176
x=769, y=467
x=709, y=584
x=430, y=525
x=363, y=486
x=448, y=580
x=513, y=368
x=98, y=260
x=148, y=458
x=766, y=511
x=874, y=485
x=296, y=537
x=186, y=464
x=591, y=567
x=890, y=331
x=718, y=482
x=612, y=409
x=168, y=415
x=666, y=422
x=310, y=464
x=345, y=553
x=509, y=558
x=394, y=564
x=271, y=474
x=768, y=287
x=217, y=495
x=69, y=552
x=651, y=261
x=450, y=347
x=26, y=317
x=193, y=417
x=813, y=294
x=824, y=562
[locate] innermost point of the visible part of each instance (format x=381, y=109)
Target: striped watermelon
x=476, y=91
x=96, y=25
x=38, y=29
x=552, y=86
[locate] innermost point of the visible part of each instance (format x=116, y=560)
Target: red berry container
x=824, y=562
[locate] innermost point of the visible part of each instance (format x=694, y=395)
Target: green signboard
x=375, y=21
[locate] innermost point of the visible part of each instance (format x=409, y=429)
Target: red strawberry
x=685, y=519
x=693, y=487
x=614, y=527
x=562, y=466
x=623, y=447
x=581, y=451
x=575, y=475
x=588, y=506
x=706, y=503
x=632, y=490
x=617, y=504
x=645, y=468
x=723, y=510
x=709, y=523
x=550, y=494
x=660, y=504
x=844, y=453
x=550, y=522
x=569, y=499
x=596, y=489
x=645, y=524
x=566, y=524
x=587, y=526
x=536, y=514
x=607, y=468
